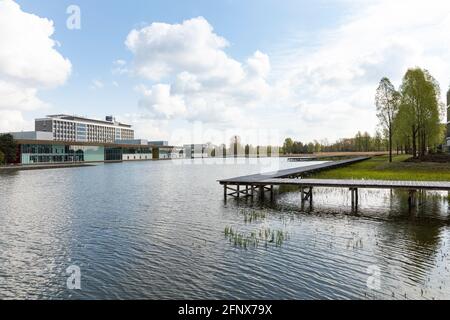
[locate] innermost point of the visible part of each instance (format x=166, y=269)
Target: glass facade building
x=52, y=153
x=59, y=153
x=74, y=139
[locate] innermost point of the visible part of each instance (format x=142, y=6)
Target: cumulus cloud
x=313, y=92
x=160, y=102
x=259, y=64
x=206, y=84
x=162, y=50
x=11, y=120
x=381, y=38
x=28, y=62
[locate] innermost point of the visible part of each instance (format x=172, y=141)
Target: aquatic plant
x=265, y=235
x=254, y=216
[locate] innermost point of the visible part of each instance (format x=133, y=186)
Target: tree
x=2, y=158
x=8, y=148
x=387, y=102
x=224, y=150
x=288, y=146
x=235, y=146
x=377, y=141
x=419, y=111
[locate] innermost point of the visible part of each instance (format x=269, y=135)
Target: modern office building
x=80, y=129
x=68, y=139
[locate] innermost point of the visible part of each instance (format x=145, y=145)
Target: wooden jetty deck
x=246, y=186
x=302, y=159
x=290, y=173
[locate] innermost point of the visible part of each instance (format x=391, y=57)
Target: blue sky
x=301, y=68
x=247, y=25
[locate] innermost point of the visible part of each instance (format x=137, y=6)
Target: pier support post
x=271, y=193
x=225, y=187
x=355, y=198
x=412, y=199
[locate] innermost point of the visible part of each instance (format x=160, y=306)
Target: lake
x=156, y=230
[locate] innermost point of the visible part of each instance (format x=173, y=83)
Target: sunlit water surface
x=156, y=230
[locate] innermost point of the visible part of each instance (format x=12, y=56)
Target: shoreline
x=43, y=166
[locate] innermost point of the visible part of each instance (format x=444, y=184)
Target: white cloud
x=11, y=120
x=15, y=96
x=161, y=50
x=259, y=64
x=28, y=62
x=313, y=92
x=206, y=84
x=119, y=67
x=382, y=38
x=97, y=84
x=161, y=103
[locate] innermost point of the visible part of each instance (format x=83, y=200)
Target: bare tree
x=387, y=101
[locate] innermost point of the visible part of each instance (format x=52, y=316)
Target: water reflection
x=156, y=230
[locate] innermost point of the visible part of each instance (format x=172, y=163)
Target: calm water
x=156, y=230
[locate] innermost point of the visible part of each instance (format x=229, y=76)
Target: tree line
x=8, y=149
x=410, y=116
x=362, y=142
x=237, y=149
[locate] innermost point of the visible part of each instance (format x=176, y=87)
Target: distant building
x=158, y=143
x=140, y=142
x=166, y=152
x=69, y=139
x=74, y=128
x=192, y=151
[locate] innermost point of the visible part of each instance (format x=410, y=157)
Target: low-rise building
x=159, y=143
x=192, y=151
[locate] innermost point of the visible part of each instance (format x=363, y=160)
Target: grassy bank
x=379, y=168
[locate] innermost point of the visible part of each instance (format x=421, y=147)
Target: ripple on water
x=156, y=230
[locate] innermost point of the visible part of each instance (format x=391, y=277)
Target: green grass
x=379, y=168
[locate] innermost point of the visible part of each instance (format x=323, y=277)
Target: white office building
x=80, y=129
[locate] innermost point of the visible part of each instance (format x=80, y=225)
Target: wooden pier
x=248, y=186
x=260, y=184
x=302, y=159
